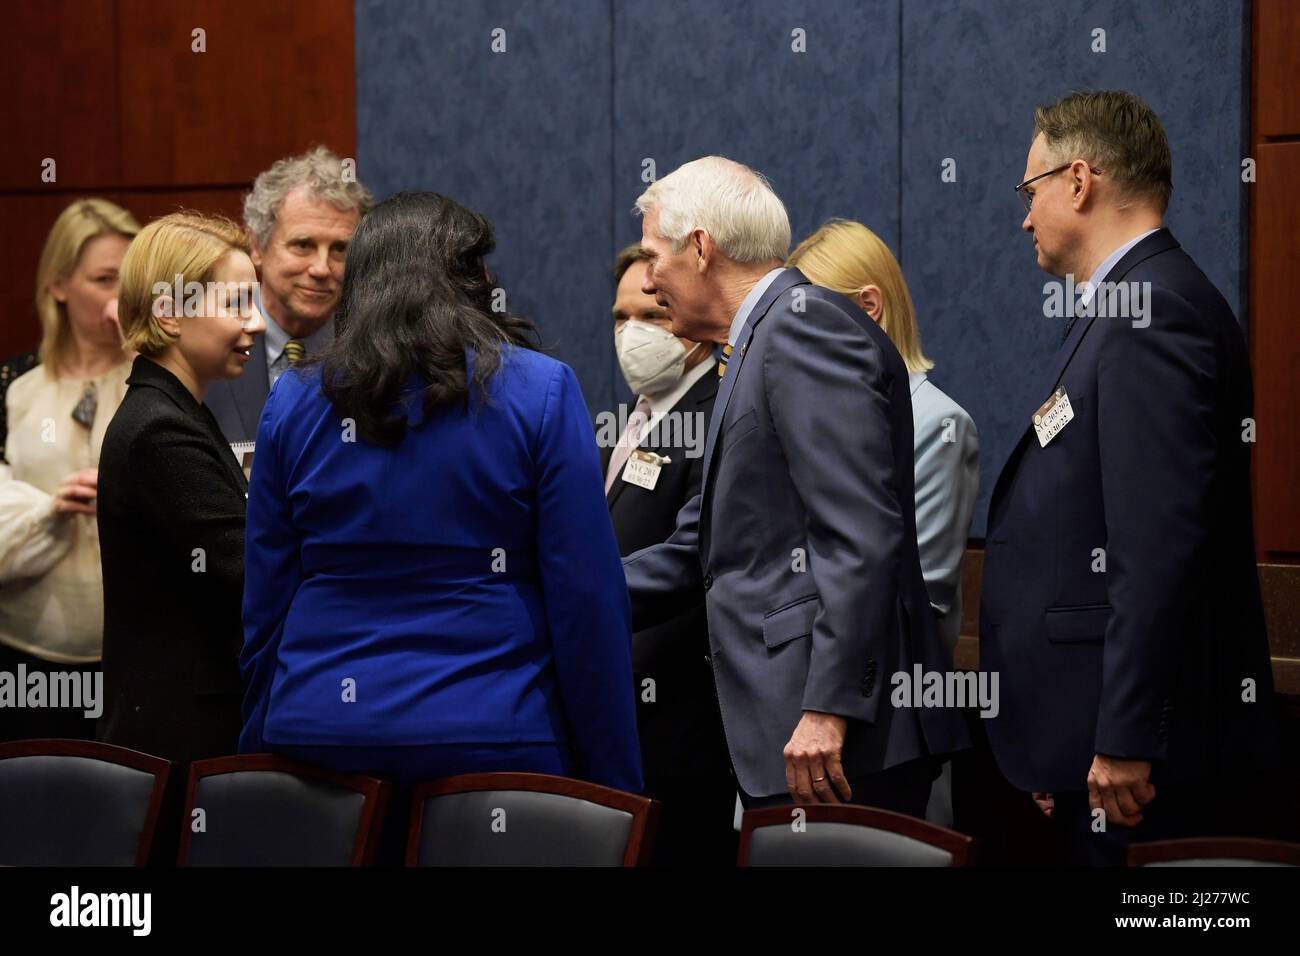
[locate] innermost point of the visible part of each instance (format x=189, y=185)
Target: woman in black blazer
x=171, y=495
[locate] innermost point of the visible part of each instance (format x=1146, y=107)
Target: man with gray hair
x=300, y=216
x=803, y=538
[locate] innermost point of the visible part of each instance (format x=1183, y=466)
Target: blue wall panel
x=973, y=71
x=549, y=139
x=521, y=136
x=693, y=79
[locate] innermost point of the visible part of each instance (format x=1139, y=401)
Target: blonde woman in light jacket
x=51, y=592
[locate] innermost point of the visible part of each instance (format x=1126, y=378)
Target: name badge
x=1052, y=416
x=643, y=467
x=243, y=451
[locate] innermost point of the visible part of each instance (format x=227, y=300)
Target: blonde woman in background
x=851, y=259
x=51, y=604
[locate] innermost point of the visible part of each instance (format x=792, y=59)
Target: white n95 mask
x=652, y=359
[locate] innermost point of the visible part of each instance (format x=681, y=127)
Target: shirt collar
x=1103, y=270
x=756, y=293
x=276, y=337
x=914, y=381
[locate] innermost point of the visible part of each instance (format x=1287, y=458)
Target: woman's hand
x=76, y=493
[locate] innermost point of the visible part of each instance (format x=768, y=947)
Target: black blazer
x=681, y=731
x=1121, y=602
x=171, y=532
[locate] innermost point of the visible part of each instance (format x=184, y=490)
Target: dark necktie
x=1069, y=324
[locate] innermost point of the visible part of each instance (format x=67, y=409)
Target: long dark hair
x=415, y=302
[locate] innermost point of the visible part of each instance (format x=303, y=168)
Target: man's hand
x=1046, y=802
x=1121, y=788
x=812, y=760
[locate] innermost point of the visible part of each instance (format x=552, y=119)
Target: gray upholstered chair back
x=1215, y=852
x=590, y=826
x=1217, y=861
x=840, y=844
x=271, y=817
x=59, y=809
x=846, y=835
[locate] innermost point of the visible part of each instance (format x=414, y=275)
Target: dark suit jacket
x=804, y=539
x=681, y=731
x=236, y=404
x=169, y=486
x=1146, y=659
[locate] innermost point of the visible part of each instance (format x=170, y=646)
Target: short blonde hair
x=844, y=256
x=82, y=221
x=186, y=244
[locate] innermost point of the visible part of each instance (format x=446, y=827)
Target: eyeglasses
x=1028, y=198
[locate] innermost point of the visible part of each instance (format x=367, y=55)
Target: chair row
x=81, y=803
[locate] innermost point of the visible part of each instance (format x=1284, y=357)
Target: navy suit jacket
x=804, y=539
x=681, y=732
x=1143, y=656
x=237, y=403
x=462, y=587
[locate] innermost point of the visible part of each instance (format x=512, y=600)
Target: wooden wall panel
x=277, y=76
x=1274, y=256
x=151, y=204
x=58, y=71
x=1275, y=346
x=113, y=92
x=1277, y=63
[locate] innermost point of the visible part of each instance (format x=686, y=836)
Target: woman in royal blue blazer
x=432, y=583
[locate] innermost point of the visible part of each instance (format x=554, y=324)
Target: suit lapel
x=1153, y=244
x=781, y=284
x=250, y=390
x=146, y=371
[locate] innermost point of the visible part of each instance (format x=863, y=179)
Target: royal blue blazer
x=463, y=587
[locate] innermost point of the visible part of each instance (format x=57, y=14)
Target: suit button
x=708, y=581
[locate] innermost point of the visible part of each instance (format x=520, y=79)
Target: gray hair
x=734, y=204
x=320, y=170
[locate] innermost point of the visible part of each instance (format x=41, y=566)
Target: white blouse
x=51, y=588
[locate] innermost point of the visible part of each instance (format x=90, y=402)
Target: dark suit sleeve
x=179, y=481
x=1156, y=431
x=665, y=580
x=274, y=573
x=585, y=598
x=828, y=389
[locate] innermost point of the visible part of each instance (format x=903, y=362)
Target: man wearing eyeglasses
x=1121, y=603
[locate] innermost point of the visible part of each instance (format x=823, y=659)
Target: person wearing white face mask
x=650, y=473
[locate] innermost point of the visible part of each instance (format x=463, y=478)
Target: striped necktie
x=294, y=350
x=722, y=362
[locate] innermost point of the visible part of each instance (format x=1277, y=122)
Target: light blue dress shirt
x=275, y=338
